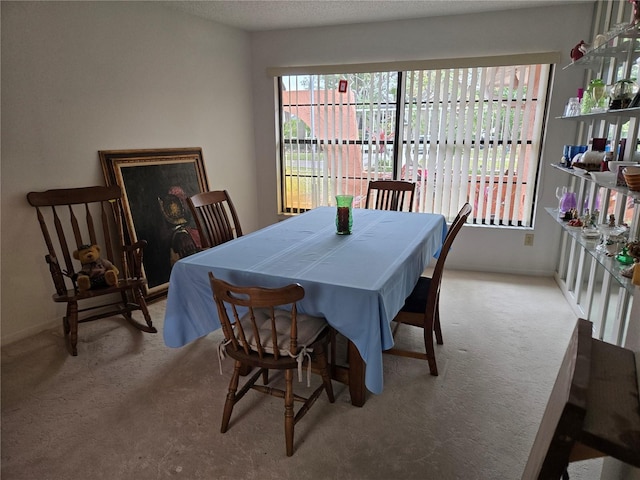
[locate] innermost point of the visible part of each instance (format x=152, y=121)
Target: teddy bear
x=96, y=272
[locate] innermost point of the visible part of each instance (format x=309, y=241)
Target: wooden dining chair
x=422, y=306
x=71, y=218
x=215, y=217
x=263, y=329
x=390, y=195
x=593, y=409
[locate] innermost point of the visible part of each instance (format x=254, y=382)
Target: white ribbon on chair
x=300, y=357
x=221, y=352
x=304, y=352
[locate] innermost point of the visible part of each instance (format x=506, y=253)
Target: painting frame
x=155, y=186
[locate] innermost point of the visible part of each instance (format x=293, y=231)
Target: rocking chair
x=73, y=217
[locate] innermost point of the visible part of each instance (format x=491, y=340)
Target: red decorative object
x=342, y=86
x=578, y=51
x=636, y=11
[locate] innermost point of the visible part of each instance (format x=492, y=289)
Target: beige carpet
x=130, y=408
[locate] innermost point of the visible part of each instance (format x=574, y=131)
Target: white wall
x=78, y=77
x=515, y=31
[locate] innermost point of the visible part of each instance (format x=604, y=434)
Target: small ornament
x=579, y=50
x=636, y=11
x=624, y=257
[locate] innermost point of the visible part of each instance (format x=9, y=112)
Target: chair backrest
x=390, y=195
x=215, y=217
x=593, y=408
x=72, y=217
x=438, y=270
x=263, y=320
x=555, y=438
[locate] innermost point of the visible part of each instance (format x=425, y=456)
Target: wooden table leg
x=357, y=367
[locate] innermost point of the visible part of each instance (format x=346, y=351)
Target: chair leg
x=289, y=421
x=71, y=327
x=436, y=324
x=333, y=339
x=428, y=344
x=139, y=298
x=145, y=311
x=231, y=397
x=321, y=356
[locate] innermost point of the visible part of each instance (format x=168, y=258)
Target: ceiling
x=260, y=15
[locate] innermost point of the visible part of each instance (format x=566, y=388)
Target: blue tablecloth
x=358, y=282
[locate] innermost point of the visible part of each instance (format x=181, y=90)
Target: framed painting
x=156, y=184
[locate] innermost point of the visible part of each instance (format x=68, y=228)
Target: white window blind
x=462, y=134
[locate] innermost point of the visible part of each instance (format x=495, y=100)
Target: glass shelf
x=610, y=264
x=625, y=45
x=580, y=174
x=612, y=116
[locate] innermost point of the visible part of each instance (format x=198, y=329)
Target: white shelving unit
x=592, y=281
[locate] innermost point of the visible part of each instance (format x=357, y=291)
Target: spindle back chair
x=71, y=218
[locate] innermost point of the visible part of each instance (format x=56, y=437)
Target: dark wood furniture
x=271, y=335
x=422, y=306
x=73, y=217
x=390, y=195
x=215, y=217
x=593, y=409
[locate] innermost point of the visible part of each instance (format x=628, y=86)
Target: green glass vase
x=344, y=216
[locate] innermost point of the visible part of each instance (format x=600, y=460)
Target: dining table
x=357, y=282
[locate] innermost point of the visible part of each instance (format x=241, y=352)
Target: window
x=463, y=134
